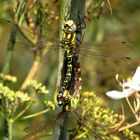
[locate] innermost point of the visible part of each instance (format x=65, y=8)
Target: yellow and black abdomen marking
x=69, y=92
x=68, y=44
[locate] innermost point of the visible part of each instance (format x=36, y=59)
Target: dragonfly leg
x=80, y=27
x=82, y=24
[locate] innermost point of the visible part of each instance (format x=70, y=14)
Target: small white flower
x=128, y=88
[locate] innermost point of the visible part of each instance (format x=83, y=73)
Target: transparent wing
x=37, y=130
x=32, y=38
x=92, y=49
x=85, y=128
x=43, y=128
x=114, y=49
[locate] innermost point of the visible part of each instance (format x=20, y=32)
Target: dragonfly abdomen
x=75, y=93
x=68, y=44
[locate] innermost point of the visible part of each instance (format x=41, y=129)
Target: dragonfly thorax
x=69, y=26
x=68, y=40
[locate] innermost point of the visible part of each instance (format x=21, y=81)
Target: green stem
x=64, y=128
x=10, y=48
x=19, y=13
x=77, y=9
x=7, y=63
x=23, y=111
x=36, y=114
x=10, y=125
x=60, y=59
x=1, y=114
x=11, y=43
x=60, y=55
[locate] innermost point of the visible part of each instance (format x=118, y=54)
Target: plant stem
x=63, y=129
x=137, y=118
x=19, y=10
x=23, y=111
x=36, y=114
x=75, y=9
x=10, y=125
x=60, y=59
x=10, y=48
x=11, y=43
x=129, y=125
x=60, y=77
x=8, y=59
x=32, y=72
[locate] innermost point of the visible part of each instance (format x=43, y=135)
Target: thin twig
x=23, y=111
x=130, y=125
x=110, y=8
x=34, y=69
x=131, y=108
x=36, y=114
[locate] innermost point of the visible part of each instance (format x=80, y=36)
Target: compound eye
x=66, y=25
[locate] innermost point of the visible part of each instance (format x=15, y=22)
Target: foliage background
x=97, y=75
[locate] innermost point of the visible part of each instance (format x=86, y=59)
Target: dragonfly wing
x=23, y=46
x=31, y=36
x=114, y=49
x=108, y=50
x=107, y=57
x=84, y=126
x=43, y=128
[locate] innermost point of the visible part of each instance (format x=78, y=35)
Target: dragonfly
x=103, y=50
x=91, y=50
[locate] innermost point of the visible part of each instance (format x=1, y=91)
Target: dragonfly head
x=69, y=26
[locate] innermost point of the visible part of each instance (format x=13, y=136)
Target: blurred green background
x=97, y=74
